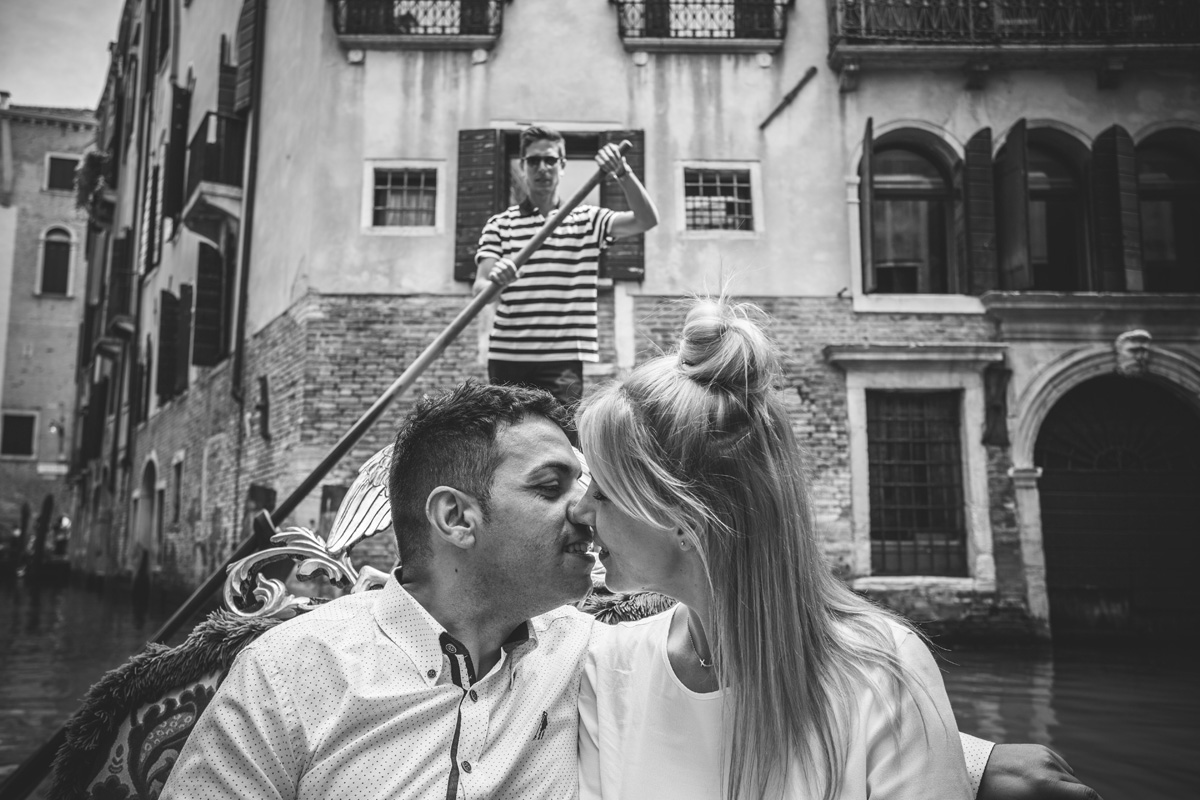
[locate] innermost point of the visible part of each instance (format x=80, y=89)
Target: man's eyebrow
x=569, y=467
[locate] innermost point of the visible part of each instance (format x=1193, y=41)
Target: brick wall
x=330, y=356
x=815, y=394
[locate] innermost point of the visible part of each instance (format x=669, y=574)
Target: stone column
x=1033, y=554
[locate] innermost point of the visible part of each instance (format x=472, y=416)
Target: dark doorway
x=1120, y=493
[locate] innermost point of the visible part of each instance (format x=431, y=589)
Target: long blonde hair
x=699, y=439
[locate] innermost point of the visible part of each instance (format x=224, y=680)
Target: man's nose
x=579, y=510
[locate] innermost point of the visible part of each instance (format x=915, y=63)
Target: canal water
x=1126, y=717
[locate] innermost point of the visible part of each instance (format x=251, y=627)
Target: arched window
x=1169, y=199
x=1042, y=208
x=56, y=263
x=1056, y=222
x=911, y=214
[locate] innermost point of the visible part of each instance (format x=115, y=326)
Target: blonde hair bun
x=726, y=345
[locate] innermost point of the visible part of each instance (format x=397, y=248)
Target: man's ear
x=455, y=516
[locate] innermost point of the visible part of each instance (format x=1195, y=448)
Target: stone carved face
x=1132, y=350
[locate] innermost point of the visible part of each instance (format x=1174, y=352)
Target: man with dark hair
x=460, y=677
x=545, y=324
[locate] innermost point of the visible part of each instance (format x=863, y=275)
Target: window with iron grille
x=718, y=199
x=405, y=198
x=916, y=483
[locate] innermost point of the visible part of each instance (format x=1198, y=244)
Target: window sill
x=671, y=44
x=18, y=457
x=60, y=192
x=718, y=234
x=895, y=583
x=424, y=41
x=422, y=230
x=47, y=296
x=917, y=304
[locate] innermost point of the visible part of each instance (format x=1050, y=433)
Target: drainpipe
x=6, y=159
x=247, y=225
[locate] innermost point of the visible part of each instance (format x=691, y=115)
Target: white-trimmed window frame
x=46, y=172
x=368, y=197
x=953, y=367
x=41, y=262
x=18, y=412
x=757, y=209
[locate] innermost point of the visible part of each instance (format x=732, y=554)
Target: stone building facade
x=958, y=225
x=42, y=269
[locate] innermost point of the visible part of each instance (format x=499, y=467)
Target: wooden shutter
x=247, y=25
x=1115, y=200
x=226, y=88
x=150, y=223
x=480, y=188
x=144, y=389
x=168, y=323
x=93, y=425
x=866, y=206
x=1012, y=186
x=624, y=259
x=175, y=178
x=979, y=197
x=135, y=392
x=209, y=336
x=183, y=338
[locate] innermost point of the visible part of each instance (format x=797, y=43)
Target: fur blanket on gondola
x=126, y=737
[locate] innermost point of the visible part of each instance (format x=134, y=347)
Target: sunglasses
x=537, y=161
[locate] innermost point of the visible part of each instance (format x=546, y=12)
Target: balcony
x=418, y=24
x=1107, y=35
x=702, y=25
x=214, y=175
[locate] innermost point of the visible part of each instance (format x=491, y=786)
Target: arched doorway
x=1120, y=497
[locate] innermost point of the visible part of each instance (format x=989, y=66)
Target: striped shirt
x=549, y=313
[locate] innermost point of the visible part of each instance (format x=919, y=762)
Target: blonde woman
x=770, y=679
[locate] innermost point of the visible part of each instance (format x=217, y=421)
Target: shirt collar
x=528, y=209
x=422, y=638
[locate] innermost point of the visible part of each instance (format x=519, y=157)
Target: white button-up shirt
x=369, y=696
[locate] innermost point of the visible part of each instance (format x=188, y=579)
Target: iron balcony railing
x=418, y=17
x=702, y=19
x=217, y=152
x=1018, y=22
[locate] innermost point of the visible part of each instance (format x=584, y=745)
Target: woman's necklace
x=706, y=664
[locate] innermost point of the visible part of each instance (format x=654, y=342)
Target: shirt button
x=466, y=766
x=431, y=674
x=474, y=695
x=450, y=649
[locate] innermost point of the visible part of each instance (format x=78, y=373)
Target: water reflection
x=1126, y=716
x=55, y=641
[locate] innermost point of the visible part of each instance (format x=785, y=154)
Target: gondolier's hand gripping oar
x=507, y=270
x=439, y=344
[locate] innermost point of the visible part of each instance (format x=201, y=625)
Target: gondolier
x=545, y=324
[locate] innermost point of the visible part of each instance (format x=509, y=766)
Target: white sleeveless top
x=643, y=734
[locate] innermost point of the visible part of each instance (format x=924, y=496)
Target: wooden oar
x=30, y=773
